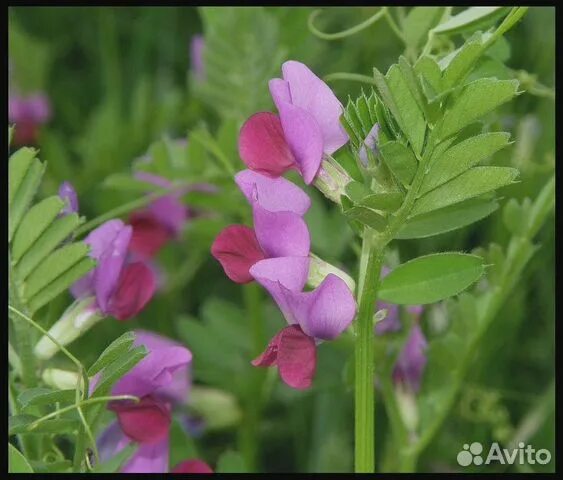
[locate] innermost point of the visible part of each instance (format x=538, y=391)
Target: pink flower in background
x=28, y=113
x=410, y=366
x=192, y=466
x=308, y=126
x=279, y=229
x=121, y=288
x=161, y=381
x=196, y=56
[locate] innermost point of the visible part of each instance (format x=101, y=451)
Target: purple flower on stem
x=279, y=229
x=121, y=288
x=197, y=45
x=370, y=143
x=307, y=127
x=412, y=361
x=161, y=381
x=68, y=195
x=28, y=113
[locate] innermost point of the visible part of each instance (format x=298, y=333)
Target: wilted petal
x=281, y=234
x=192, y=466
x=295, y=355
x=149, y=458
x=155, y=372
x=327, y=311
x=146, y=421
x=263, y=147
x=134, y=290
x=237, y=249
x=412, y=360
x=149, y=235
x=304, y=138
x=68, y=195
x=310, y=93
x=274, y=194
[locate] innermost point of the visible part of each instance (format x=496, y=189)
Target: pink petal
x=192, y=466
x=295, y=354
x=147, y=421
x=281, y=234
x=237, y=249
x=136, y=287
x=263, y=147
x=304, y=138
x=149, y=235
x=149, y=458
x=310, y=93
x=291, y=272
x=274, y=194
x=170, y=212
x=279, y=89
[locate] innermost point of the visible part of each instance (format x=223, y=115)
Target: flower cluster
x=162, y=382
x=276, y=252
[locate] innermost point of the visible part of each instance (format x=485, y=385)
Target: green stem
x=344, y=33
x=370, y=268
x=354, y=77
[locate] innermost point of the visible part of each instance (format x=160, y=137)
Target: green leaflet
x=366, y=216
x=475, y=100
x=431, y=278
x=418, y=22
x=461, y=63
x=389, y=201
x=472, y=19
x=17, y=463
x=18, y=165
x=472, y=183
x=55, y=233
x=462, y=156
x=59, y=426
x=359, y=117
x=119, y=347
x=34, y=223
x=54, y=265
x=410, y=116
x=447, y=219
x=400, y=160
x=45, y=396
x=429, y=71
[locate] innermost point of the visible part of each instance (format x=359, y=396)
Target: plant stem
x=370, y=268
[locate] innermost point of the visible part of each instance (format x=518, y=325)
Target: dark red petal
x=262, y=145
x=145, y=422
x=295, y=354
x=192, y=466
x=237, y=249
x=149, y=235
x=136, y=287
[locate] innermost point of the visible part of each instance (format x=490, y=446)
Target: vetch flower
x=28, y=113
x=68, y=195
x=322, y=314
x=307, y=127
x=196, y=57
x=161, y=381
x=279, y=229
x=411, y=363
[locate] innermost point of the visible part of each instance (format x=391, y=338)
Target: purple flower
x=68, y=195
x=307, y=127
x=369, y=143
x=410, y=366
x=28, y=113
x=196, y=56
x=121, y=288
x=161, y=381
x=279, y=229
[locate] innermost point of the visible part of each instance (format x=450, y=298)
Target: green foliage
x=231, y=462
x=17, y=463
x=115, y=463
x=44, y=396
x=118, y=348
x=471, y=19
x=431, y=278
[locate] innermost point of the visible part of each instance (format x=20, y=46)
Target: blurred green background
x=119, y=79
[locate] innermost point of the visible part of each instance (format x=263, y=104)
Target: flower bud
x=61, y=379
x=319, y=269
x=331, y=179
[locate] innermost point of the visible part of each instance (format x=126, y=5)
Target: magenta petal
x=146, y=421
x=192, y=466
x=310, y=93
x=294, y=353
x=156, y=373
x=412, y=360
x=136, y=287
x=263, y=147
x=149, y=235
x=274, y=194
x=68, y=195
x=304, y=138
x=281, y=234
x=110, y=265
x=149, y=458
x=237, y=249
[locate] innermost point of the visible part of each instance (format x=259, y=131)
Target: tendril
x=344, y=33
x=354, y=77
